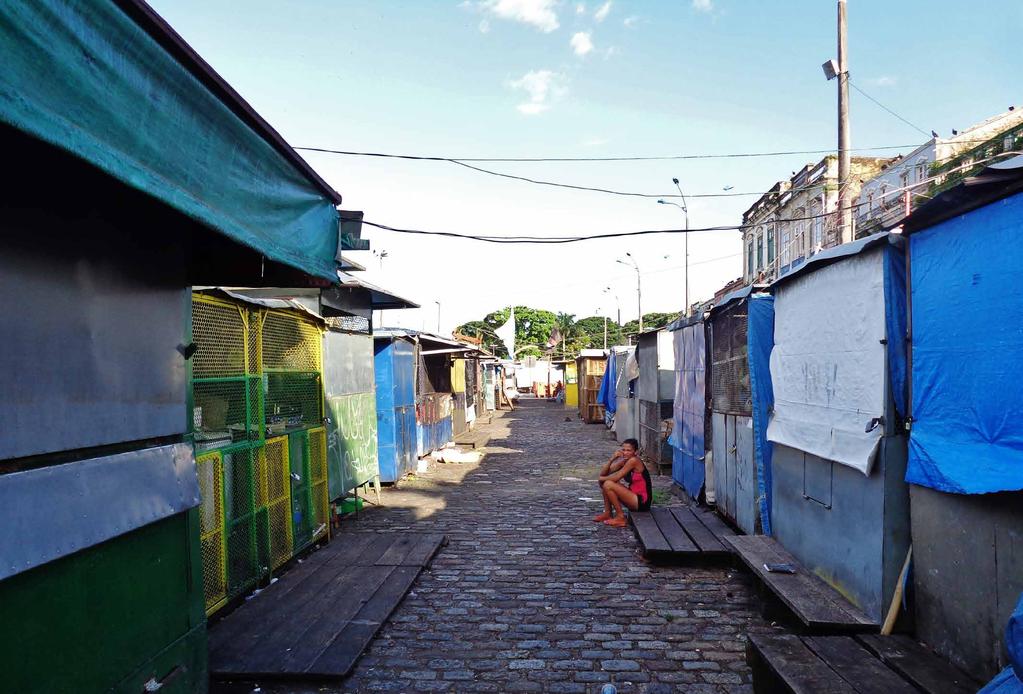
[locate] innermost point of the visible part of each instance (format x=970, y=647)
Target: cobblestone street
x=529, y=595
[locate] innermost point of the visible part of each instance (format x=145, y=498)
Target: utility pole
x=844, y=202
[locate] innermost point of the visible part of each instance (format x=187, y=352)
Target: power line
x=915, y=127
x=541, y=240
x=673, y=157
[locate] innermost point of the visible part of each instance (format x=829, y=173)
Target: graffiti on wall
x=351, y=441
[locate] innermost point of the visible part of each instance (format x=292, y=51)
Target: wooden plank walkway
x=682, y=534
x=819, y=607
x=850, y=665
x=315, y=621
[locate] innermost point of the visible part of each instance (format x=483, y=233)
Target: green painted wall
x=109, y=617
x=351, y=441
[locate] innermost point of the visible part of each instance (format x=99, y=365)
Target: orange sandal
x=618, y=522
x=602, y=517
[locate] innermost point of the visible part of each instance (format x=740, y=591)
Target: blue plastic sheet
x=83, y=76
x=688, y=467
x=608, y=393
x=1010, y=680
x=967, y=435
x=895, y=323
x=760, y=340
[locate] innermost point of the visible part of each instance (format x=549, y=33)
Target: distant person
x=624, y=481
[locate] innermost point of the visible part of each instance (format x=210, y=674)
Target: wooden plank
x=701, y=536
x=648, y=533
x=399, y=549
x=260, y=624
x=814, y=603
x=857, y=666
x=339, y=658
x=337, y=607
x=791, y=666
x=672, y=531
x=423, y=552
x=927, y=671
x=713, y=523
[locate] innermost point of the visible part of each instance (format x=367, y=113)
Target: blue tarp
x=760, y=340
x=608, y=394
x=1010, y=680
x=967, y=435
x=82, y=75
x=688, y=467
x=895, y=323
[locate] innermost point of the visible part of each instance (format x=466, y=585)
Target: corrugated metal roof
x=836, y=253
x=990, y=184
x=379, y=297
x=279, y=304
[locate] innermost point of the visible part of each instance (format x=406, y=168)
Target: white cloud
x=541, y=86
x=581, y=43
x=580, y=8
x=601, y=14
x=611, y=51
x=883, y=81
x=538, y=13
x=703, y=5
x=484, y=26
x=629, y=22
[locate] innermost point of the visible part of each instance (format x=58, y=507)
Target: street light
x=639, y=288
x=618, y=304
x=685, y=211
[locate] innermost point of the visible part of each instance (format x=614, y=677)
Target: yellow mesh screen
x=277, y=488
x=255, y=338
x=219, y=335
x=318, y=480
x=211, y=529
x=290, y=343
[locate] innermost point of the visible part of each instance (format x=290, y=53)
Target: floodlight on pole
x=639, y=288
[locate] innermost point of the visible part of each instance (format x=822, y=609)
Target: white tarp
x=828, y=362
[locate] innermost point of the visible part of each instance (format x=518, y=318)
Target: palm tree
x=566, y=326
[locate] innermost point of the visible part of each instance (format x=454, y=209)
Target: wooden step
x=846, y=665
x=819, y=607
x=681, y=534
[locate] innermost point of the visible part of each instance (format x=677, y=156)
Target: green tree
x=650, y=322
x=593, y=329
x=532, y=328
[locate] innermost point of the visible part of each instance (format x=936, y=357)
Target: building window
x=818, y=233
x=749, y=259
x=1007, y=143
x=770, y=245
x=921, y=172
x=760, y=252
x=884, y=196
x=870, y=202
x=785, y=250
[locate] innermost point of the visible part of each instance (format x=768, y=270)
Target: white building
x=907, y=182
x=796, y=218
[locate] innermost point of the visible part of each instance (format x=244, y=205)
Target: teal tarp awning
x=82, y=75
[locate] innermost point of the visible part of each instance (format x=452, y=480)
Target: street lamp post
x=639, y=287
x=685, y=237
x=618, y=304
x=438, y=316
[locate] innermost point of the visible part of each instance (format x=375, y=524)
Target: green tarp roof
x=87, y=76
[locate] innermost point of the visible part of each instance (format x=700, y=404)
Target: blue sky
x=535, y=78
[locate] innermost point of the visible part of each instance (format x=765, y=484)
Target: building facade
x=939, y=163
x=796, y=218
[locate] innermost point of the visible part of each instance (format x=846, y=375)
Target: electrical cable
x=915, y=127
x=548, y=240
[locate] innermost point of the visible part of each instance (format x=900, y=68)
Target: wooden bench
x=819, y=607
x=862, y=664
x=682, y=534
